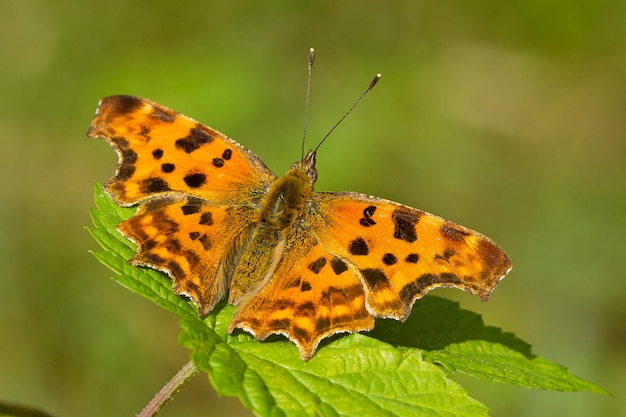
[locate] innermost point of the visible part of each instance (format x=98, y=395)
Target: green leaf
x=498, y=363
x=459, y=340
x=351, y=375
x=398, y=369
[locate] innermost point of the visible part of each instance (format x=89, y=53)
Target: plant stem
x=169, y=389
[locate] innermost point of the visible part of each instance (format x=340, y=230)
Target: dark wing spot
x=358, y=247
x=227, y=154
x=152, y=259
x=343, y=319
x=425, y=282
x=206, y=242
x=192, y=257
x=175, y=269
x=194, y=235
x=322, y=324
x=129, y=156
x=157, y=154
x=389, y=259
x=190, y=209
x=162, y=115
x=279, y=324
x=125, y=104
x=206, y=219
x=191, y=287
x=143, y=131
x=404, y=225
x=173, y=245
x=165, y=223
x=193, y=140
x=218, y=162
x=493, y=256
x=414, y=288
x=412, y=258
x=366, y=220
x=452, y=233
x=124, y=172
x=369, y=211
x=126, y=168
x=354, y=291
x=306, y=309
x=167, y=168
x=195, y=180
x=154, y=185
x=447, y=253
x=449, y=278
x=317, y=265
x=338, y=266
x=149, y=244
x=301, y=333
x=306, y=286
x=332, y=294
x=375, y=277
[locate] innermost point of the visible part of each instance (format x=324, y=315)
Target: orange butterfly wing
x=200, y=192
x=311, y=295
x=163, y=152
x=352, y=257
x=192, y=241
x=403, y=252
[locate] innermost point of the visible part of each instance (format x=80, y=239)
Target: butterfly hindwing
x=191, y=240
x=311, y=295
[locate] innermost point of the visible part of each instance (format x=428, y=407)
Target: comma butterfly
x=295, y=262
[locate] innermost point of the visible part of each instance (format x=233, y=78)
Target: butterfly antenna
x=308, y=90
x=367, y=90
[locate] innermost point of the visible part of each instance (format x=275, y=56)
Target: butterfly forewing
x=164, y=152
x=401, y=253
x=191, y=240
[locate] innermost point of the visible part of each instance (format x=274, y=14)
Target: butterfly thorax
x=259, y=251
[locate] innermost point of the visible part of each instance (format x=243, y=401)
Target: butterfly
x=294, y=262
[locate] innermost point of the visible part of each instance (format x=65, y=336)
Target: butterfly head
x=307, y=166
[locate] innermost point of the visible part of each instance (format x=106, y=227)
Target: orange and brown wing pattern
x=164, y=152
x=311, y=295
x=191, y=240
x=401, y=253
x=351, y=257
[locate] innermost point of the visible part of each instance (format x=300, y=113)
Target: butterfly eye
x=312, y=173
x=309, y=163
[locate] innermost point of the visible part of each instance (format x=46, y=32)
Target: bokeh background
x=507, y=117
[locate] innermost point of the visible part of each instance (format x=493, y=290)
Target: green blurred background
x=507, y=117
